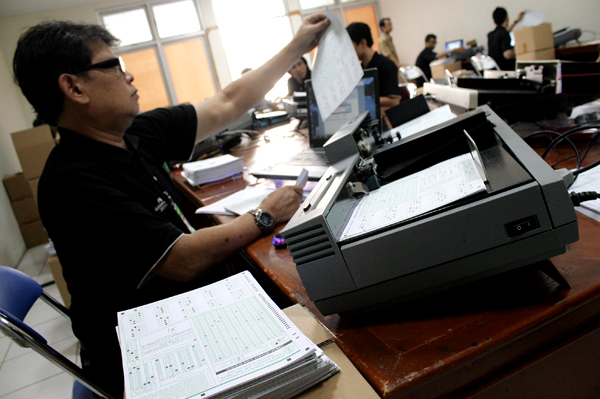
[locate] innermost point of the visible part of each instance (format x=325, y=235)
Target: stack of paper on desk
x=212, y=169
x=225, y=340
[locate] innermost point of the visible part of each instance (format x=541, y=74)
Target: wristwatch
x=263, y=219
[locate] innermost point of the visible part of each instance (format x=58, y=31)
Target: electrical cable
x=578, y=198
x=564, y=136
x=593, y=140
x=586, y=168
x=550, y=132
x=522, y=122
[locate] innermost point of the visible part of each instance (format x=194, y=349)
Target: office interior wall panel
x=147, y=78
x=367, y=15
x=190, y=71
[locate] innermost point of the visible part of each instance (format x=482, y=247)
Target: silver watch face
x=265, y=219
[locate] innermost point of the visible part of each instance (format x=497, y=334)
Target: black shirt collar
x=83, y=144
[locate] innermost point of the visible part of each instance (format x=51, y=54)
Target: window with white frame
x=164, y=46
x=252, y=32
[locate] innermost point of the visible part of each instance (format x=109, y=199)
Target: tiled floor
x=23, y=373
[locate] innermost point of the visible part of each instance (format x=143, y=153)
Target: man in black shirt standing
x=389, y=91
x=428, y=55
x=106, y=197
x=499, y=47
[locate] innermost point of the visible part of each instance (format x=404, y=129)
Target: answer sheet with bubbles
x=207, y=341
x=416, y=194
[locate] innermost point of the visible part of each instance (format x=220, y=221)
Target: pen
x=303, y=178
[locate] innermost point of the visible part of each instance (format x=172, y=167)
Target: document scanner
x=524, y=216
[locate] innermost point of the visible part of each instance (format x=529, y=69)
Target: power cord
x=578, y=198
x=564, y=136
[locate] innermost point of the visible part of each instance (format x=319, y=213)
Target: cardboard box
x=547, y=54
x=348, y=383
x=33, y=185
x=17, y=187
x=26, y=210
x=438, y=69
x=33, y=147
x=59, y=280
x=533, y=38
x=34, y=234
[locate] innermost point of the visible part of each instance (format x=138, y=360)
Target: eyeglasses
x=111, y=63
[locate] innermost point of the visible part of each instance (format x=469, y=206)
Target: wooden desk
x=579, y=52
x=514, y=335
x=277, y=144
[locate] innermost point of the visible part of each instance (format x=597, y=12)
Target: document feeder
x=524, y=216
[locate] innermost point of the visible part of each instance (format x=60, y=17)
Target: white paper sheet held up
x=531, y=18
x=337, y=70
x=416, y=194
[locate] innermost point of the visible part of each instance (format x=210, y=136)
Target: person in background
x=386, y=45
x=389, y=92
x=499, y=47
x=428, y=55
x=300, y=73
x=106, y=196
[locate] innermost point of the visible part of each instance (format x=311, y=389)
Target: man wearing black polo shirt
x=499, y=47
x=389, y=92
x=428, y=55
x=105, y=196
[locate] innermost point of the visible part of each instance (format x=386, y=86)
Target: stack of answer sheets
x=224, y=340
x=212, y=169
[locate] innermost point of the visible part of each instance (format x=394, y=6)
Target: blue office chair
x=18, y=293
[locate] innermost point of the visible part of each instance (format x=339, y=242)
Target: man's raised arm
x=233, y=101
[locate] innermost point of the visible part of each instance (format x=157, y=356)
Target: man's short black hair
x=499, y=15
x=46, y=51
x=359, y=31
x=382, y=22
x=430, y=36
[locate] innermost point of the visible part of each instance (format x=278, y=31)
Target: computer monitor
x=365, y=96
x=454, y=45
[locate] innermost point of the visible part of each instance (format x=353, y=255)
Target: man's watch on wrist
x=263, y=219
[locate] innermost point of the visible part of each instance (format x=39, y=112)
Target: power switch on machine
x=521, y=226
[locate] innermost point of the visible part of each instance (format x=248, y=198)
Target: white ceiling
x=16, y=7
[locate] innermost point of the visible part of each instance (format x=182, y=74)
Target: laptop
x=454, y=44
x=365, y=96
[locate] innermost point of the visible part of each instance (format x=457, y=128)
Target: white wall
x=12, y=119
x=472, y=19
